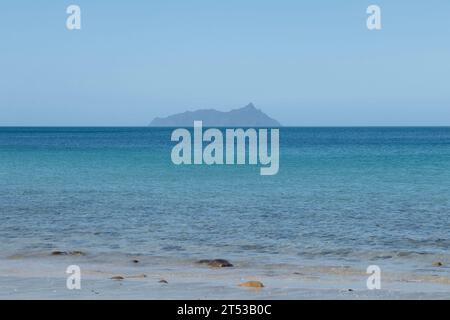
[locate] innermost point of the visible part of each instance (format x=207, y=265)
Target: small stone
x=438, y=264
x=252, y=284
x=77, y=253
x=384, y=257
x=163, y=281
x=117, y=278
x=216, y=263
x=135, y=261
x=70, y=253
x=350, y=290
x=59, y=253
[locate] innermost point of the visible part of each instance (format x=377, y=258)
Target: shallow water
x=343, y=196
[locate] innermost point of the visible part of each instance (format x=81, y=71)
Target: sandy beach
x=159, y=278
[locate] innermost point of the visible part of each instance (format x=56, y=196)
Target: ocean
x=349, y=197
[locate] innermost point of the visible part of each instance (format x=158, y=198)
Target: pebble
x=252, y=284
x=216, y=263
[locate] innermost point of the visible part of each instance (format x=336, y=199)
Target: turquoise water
x=342, y=195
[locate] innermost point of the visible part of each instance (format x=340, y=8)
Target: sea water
x=342, y=196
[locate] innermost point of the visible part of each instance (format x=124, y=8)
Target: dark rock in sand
x=76, y=253
x=59, y=253
x=70, y=253
x=135, y=261
x=138, y=276
x=216, y=263
x=438, y=264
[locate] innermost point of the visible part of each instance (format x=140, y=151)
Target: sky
x=304, y=63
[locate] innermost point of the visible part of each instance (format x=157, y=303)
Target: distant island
x=247, y=116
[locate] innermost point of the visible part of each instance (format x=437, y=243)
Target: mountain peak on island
x=247, y=116
x=250, y=106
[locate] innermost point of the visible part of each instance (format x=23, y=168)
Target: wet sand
x=44, y=277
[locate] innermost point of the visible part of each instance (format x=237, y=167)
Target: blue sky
x=303, y=62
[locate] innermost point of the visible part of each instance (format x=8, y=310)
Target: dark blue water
x=350, y=195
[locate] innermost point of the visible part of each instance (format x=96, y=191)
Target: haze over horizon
x=304, y=64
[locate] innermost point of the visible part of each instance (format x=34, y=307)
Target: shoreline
x=45, y=278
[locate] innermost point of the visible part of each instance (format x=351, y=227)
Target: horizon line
x=275, y=127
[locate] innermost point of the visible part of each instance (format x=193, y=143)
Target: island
x=248, y=116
